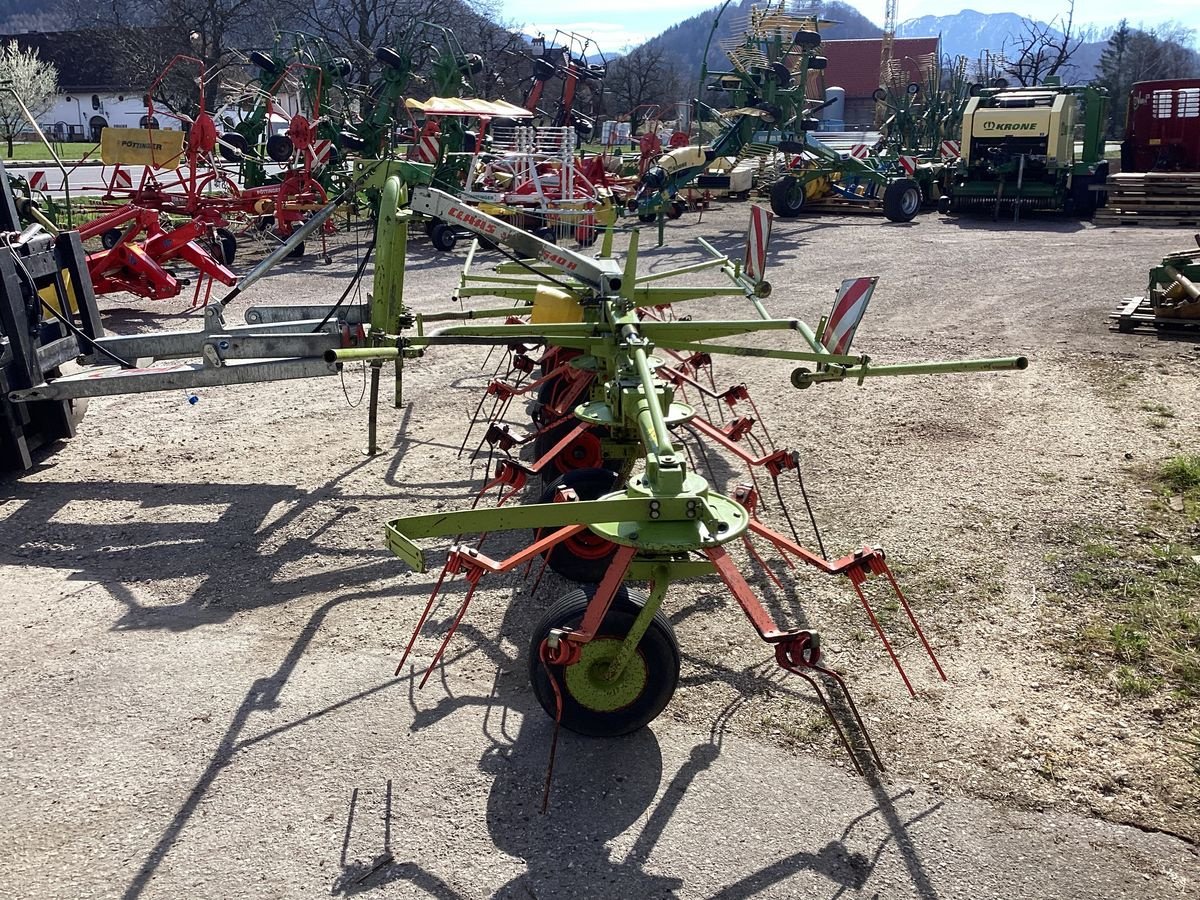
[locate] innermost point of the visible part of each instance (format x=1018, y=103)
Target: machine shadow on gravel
x=1053, y=223
x=223, y=545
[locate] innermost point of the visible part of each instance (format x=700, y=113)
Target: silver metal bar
x=112, y=380
x=306, y=316
x=190, y=344
x=54, y=354
x=279, y=253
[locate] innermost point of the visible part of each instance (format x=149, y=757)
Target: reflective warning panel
x=757, y=239
x=848, y=308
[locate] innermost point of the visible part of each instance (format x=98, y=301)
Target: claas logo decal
x=468, y=218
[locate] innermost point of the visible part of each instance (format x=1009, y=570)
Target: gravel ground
x=201, y=621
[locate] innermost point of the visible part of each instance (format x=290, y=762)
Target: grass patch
x=1138, y=595
x=1158, y=409
x=1181, y=473
x=36, y=150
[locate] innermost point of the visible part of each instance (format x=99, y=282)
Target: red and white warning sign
x=121, y=179
x=860, y=151
x=951, y=149
x=320, y=151
x=908, y=164
x=848, y=308
x=757, y=238
x=38, y=182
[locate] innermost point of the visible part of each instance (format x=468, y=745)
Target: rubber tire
x=1081, y=202
x=902, y=200
x=647, y=217
x=109, y=238
x=547, y=234
x=787, y=198
x=589, y=484
x=227, y=244
x=297, y=252
x=674, y=209
x=280, y=148
x=658, y=648
x=238, y=148
x=586, y=235
x=443, y=236
x=943, y=205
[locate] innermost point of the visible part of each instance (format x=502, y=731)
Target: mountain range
x=967, y=33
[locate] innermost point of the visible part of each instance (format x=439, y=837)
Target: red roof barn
x=854, y=66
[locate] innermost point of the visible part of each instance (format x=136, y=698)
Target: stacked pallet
x=1152, y=198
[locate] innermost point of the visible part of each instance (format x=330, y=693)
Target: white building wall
x=73, y=114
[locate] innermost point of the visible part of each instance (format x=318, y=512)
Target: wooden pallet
x=1136, y=314
x=1167, y=199
x=1174, y=219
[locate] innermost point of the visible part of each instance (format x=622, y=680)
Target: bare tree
x=1042, y=49
x=645, y=76
x=360, y=27
x=145, y=34
x=34, y=80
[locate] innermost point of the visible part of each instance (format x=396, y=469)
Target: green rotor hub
x=590, y=683
x=713, y=520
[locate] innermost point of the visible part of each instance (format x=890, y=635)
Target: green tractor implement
x=919, y=137
x=772, y=118
x=632, y=507
x=1172, y=299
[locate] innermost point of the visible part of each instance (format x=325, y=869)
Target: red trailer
x=1162, y=127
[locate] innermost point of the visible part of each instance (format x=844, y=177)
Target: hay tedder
x=612, y=373
x=615, y=445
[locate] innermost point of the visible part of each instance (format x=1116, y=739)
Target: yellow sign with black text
x=156, y=147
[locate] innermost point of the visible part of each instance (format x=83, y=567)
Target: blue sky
x=615, y=24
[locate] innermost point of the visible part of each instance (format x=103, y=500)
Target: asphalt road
x=83, y=179
x=296, y=768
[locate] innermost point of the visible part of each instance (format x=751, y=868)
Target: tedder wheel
x=585, y=557
x=552, y=393
x=443, y=237
x=944, y=204
x=787, y=198
x=227, y=243
x=647, y=217
x=592, y=703
x=675, y=209
x=902, y=200
x=109, y=238
x=585, y=452
x=280, y=148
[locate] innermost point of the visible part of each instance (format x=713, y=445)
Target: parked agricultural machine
x=568, y=57
x=919, y=137
x=1031, y=148
x=1172, y=299
x=772, y=118
x=598, y=346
